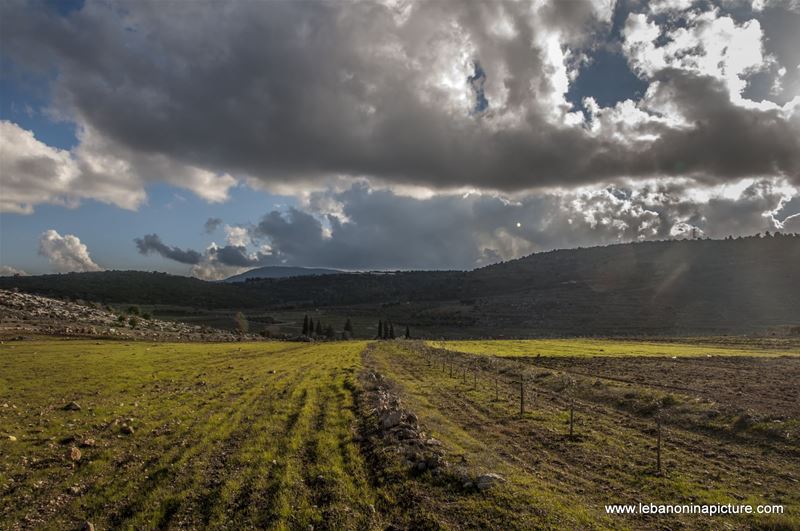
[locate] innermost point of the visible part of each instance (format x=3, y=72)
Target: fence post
x=571, y=417
x=658, y=441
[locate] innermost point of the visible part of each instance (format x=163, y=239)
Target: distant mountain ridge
x=694, y=287
x=281, y=272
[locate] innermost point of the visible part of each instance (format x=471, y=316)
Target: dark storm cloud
x=725, y=139
x=384, y=230
x=290, y=91
x=151, y=243
x=212, y=224
x=235, y=255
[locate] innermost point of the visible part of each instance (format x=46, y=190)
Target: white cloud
x=33, y=173
x=8, y=271
x=237, y=236
x=664, y=6
x=66, y=253
x=709, y=44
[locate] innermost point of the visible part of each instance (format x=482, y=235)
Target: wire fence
x=513, y=381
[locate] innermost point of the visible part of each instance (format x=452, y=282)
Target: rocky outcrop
x=23, y=314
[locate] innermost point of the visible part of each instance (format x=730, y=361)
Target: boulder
x=391, y=419
x=72, y=406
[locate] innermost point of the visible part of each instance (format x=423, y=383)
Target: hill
x=671, y=287
x=280, y=272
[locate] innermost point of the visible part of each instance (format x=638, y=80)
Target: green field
x=614, y=347
x=279, y=436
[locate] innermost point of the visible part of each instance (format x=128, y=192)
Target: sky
x=206, y=138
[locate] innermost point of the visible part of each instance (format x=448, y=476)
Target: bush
x=133, y=310
x=121, y=318
x=133, y=321
x=146, y=316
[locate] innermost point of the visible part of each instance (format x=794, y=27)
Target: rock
x=433, y=442
x=11, y=438
x=72, y=406
x=74, y=454
x=421, y=466
x=88, y=443
x=487, y=481
x=391, y=419
x=127, y=429
x=87, y=526
x=407, y=434
x=74, y=490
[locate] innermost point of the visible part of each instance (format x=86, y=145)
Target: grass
x=565, y=483
x=615, y=348
x=242, y=435
x=262, y=435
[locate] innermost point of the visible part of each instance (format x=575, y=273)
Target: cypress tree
x=380, y=329
x=305, y=325
x=408, y=333
x=391, y=331
x=348, y=326
x=310, y=326
x=386, y=330
x=319, y=328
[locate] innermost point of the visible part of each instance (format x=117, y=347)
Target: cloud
x=364, y=228
x=8, y=271
x=212, y=224
x=66, y=253
x=34, y=173
x=288, y=94
x=151, y=243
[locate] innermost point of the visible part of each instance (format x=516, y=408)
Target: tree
x=329, y=332
x=318, y=331
x=391, y=331
x=386, y=330
x=242, y=325
x=348, y=326
x=380, y=329
x=310, y=326
x=305, y=325
x=408, y=333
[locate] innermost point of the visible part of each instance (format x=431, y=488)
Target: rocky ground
x=398, y=435
x=23, y=315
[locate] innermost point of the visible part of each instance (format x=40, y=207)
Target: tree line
x=386, y=331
